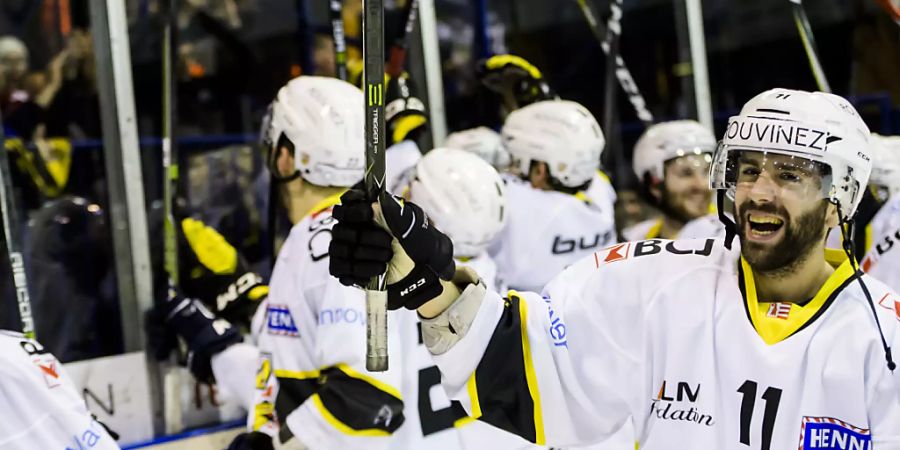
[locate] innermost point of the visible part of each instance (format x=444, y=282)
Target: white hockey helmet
x=482, y=141
x=562, y=134
x=463, y=195
x=812, y=126
x=321, y=120
x=666, y=141
x=886, y=162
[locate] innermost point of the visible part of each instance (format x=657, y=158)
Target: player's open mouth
x=763, y=225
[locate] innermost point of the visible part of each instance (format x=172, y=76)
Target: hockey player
x=704, y=343
x=885, y=179
x=555, y=146
x=885, y=183
x=671, y=161
x=484, y=142
x=43, y=408
x=883, y=259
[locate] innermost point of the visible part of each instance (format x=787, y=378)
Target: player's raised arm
x=506, y=359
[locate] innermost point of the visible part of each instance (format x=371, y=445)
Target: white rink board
x=116, y=389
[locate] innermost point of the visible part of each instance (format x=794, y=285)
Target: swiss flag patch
x=780, y=310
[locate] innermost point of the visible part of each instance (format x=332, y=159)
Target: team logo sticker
x=279, y=321
x=826, y=433
x=49, y=367
x=612, y=254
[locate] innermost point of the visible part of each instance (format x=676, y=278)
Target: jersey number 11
x=772, y=397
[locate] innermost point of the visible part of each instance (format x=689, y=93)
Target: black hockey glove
x=204, y=334
x=251, y=441
x=415, y=262
x=217, y=275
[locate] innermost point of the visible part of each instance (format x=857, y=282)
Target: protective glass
x=786, y=173
x=691, y=164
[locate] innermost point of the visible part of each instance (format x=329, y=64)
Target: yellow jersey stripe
x=326, y=203
x=341, y=426
x=773, y=329
x=473, y=396
x=531, y=376
x=653, y=232
x=472, y=388
x=297, y=374
x=381, y=385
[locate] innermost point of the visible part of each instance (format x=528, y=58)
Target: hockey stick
x=626, y=81
x=173, y=378
x=809, y=44
x=373, y=73
x=14, y=241
x=335, y=9
x=611, y=44
x=401, y=45
x=169, y=146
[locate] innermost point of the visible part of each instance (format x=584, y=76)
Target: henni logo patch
x=280, y=322
x=825, y=433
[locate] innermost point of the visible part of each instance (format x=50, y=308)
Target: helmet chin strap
x=730, y=226
x=847, y=237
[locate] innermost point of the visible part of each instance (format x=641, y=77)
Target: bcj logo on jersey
x=826, y=433
x=280, y=321
x=649, y=247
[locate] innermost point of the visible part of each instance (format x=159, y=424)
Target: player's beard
x=794, y=248
x=684, y=206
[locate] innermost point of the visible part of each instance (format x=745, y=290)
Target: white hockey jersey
x=42, y=409
x=547, y=231
x=887, y=218
x=708, y=226
x=883, y=259
x=671, y=333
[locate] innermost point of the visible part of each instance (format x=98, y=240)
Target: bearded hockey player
x=671, y=161
x=43, y=407
x=765, y=343
x=884, y=178
x=555, y=146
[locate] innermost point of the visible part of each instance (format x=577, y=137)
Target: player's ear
x=831, y=215
x=655, y=190
x=539, y=175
